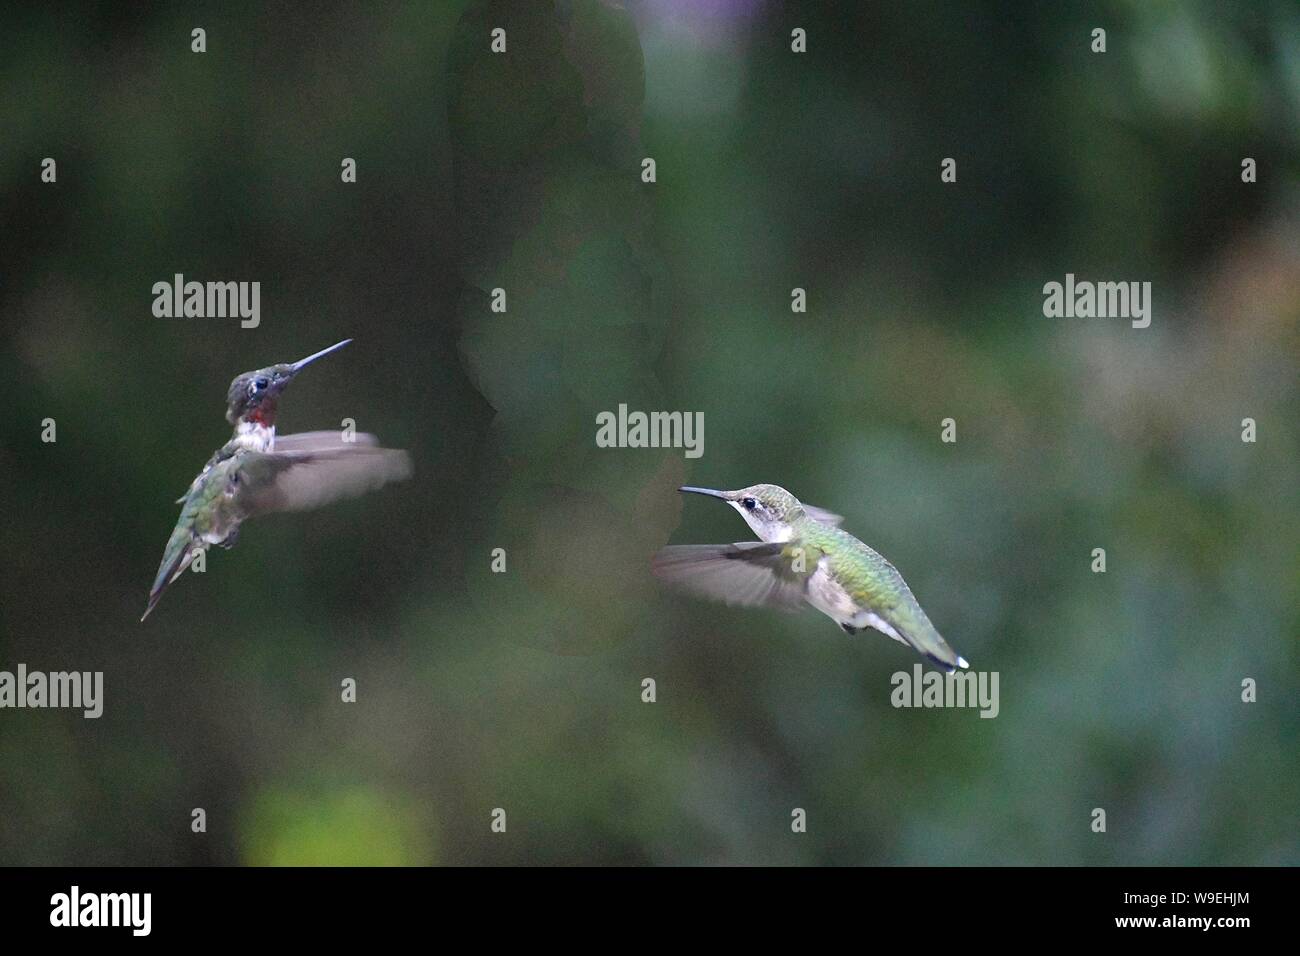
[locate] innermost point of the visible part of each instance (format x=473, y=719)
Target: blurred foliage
x=522, y=171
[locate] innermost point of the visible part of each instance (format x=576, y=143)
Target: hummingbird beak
x=713, y=492
x=301, y=364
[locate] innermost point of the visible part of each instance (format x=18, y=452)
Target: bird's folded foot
x=849, y=628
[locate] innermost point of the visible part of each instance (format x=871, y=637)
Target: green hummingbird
x=804, y=558
x=256, y=472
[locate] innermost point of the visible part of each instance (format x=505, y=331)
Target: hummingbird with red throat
x=257, y=472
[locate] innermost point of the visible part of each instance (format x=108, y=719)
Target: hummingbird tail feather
x=924, y=638
x=154, y=598
x=179, y=553
x=949, y=667
x=937, y=650
x=943, y=655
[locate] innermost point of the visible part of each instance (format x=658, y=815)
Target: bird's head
x=769, y=510
x=253, y=396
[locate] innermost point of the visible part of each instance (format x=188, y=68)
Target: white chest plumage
x=255, y=436
x=830, y=597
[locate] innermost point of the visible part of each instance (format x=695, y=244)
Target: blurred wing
x=300, y=480
x=322, y=441
x=750, y=573
x=291, y=444
x=822, y=515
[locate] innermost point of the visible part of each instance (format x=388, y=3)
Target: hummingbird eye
x=749, y=504
x=262, y=383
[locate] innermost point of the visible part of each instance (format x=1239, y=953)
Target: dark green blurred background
x=775, y=170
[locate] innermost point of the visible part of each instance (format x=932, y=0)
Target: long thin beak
x=704, y=491
x=301, y=364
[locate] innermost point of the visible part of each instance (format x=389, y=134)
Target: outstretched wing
x=750, y=573
x=300, y=442
x=822, y=515
x=323, y=441
x=297, y=480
